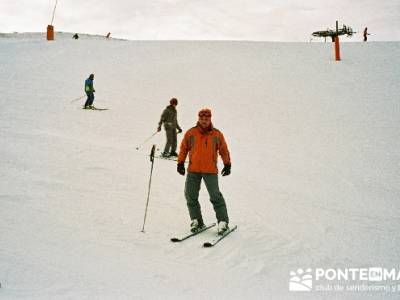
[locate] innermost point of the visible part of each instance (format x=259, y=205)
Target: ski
x=95, y=108
x=181, y=239
x=173, y=158
x=219, y=238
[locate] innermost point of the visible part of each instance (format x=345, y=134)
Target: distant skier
x=89, y=92
x=170, y=120
x=75, y=36
x=365, y=34
x=203, y=143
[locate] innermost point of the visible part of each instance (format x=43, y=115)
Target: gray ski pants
x=171, y=144
x=192, y=188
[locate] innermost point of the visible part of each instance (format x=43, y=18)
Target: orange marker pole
x=337, y=48
x=50, y=28
x=50, y=33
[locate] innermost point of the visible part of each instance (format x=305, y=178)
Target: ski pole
x=146, y=140
x=77, y=99
x=153, y=149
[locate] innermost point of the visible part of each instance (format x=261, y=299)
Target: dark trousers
x=192, y=188
x=90, y=99
x=171, y=144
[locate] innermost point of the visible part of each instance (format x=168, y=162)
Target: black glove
x=181, y=168
x=179, y=130
x=226, y=170
x=158, y=128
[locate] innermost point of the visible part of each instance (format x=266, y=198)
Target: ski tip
x=175, y=240
x=207, y=245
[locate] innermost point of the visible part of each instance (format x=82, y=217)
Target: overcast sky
x=264, y=20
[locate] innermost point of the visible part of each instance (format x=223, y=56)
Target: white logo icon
x=300, y=280
x=375, y=274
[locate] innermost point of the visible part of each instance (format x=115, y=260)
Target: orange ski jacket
x=203, y=146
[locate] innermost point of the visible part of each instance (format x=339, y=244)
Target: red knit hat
x=173, y=101
x=205, y=112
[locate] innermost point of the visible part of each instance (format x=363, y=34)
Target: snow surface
x=315, y=167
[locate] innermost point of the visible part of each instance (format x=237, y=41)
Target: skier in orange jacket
x=203, y=143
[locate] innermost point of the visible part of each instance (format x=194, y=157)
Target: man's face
x=204, y=121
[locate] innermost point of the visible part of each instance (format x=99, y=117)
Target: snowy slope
x=315, y=167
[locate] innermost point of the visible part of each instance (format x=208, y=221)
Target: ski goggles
x=205, y=113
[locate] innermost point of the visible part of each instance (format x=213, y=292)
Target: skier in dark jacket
x=365, y=34
x=170, y=120
x=89, y=92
